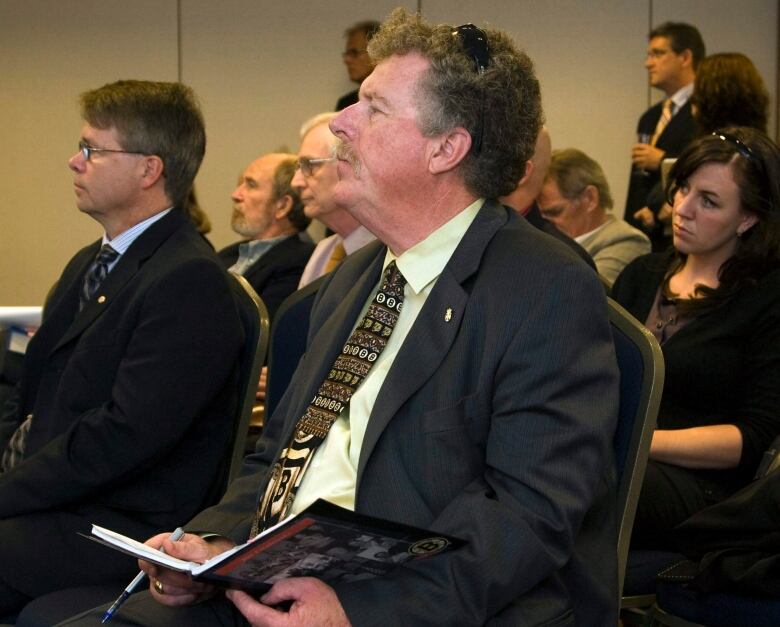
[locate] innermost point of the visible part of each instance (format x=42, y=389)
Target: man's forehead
x=91, y=132
x=394, y=74
x=357, y=40
x=550, y=190
x=318, y=142
x=659, y=43
x=261, y=167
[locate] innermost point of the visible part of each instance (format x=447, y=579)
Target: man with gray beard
x=268, y=211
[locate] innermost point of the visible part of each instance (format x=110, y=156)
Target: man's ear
x=448, y=150
x=590, y=198
x=152, y=171
x=283, y=206
x=529, y=170
x=686, y=56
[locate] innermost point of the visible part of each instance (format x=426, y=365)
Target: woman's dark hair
x=729, y=91
x=755, y=164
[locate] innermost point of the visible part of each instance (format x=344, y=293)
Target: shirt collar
x=424, y=261
x=681, y=96
x=122, y=241
x=357, y=239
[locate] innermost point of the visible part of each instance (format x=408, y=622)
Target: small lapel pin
x=448, y=315
x=101, y=299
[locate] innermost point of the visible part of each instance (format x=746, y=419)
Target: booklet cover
x=324, y=541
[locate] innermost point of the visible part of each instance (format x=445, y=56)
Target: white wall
x=260, y=68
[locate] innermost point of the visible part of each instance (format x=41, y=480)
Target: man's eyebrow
x=375, y=98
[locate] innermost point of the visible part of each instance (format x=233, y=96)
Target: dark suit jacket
x=276, y=274
x=347, y=99
x=495, y=426
x=133, y=400
x=645, y=189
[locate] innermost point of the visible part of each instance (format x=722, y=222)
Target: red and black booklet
x=324, y=541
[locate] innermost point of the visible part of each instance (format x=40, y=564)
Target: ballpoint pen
x=178, y=533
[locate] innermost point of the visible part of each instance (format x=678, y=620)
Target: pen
x=134, y=583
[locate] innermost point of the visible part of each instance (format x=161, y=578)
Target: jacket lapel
x=333, y=332
x=124, y=270
x=430, y=338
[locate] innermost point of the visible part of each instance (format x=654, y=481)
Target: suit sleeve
x=548, y=456
x=611, y=259
x=180, y=352
x=279, y=286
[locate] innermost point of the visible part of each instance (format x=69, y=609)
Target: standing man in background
x=673, y=54
x=356, y=58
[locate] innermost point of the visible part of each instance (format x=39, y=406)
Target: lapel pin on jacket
x=448, y=314
x=101, y=299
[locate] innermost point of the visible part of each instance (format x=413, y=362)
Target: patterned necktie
x=96, y=274
x=336, y=257
x=666, y=115
x=350, y=368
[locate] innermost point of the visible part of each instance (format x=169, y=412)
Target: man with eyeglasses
x=315, y=180
x=674, y=51
x=268, y=212
x=575, y=197
x=356, y=59
x=124, y=413
x=483, y=401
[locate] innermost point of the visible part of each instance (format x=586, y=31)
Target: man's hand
x=313, y=603
x=645, y=217
x=665, y=213
x=173, y=588
x=260, y=394
x=646, y=157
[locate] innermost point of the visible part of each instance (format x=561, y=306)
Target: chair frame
x=278, y=380
x=632, y=472
x=258, y=344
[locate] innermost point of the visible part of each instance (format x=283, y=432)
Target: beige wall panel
x=588, y=58
x=50, y=51
x=261, y=69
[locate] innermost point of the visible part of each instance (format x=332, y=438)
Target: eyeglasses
x=308, y=166
x=87, y=150
x=475, y=45
x=656, y=53
x=352, y=53
x=740, y=146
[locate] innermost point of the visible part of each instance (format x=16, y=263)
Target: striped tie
x=96, y=274
x=666, y=115
x=351, y=367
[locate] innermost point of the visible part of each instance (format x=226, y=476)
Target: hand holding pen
x=131, y=587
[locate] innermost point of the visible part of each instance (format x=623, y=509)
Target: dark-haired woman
x=713, y=303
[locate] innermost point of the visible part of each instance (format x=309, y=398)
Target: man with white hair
x=315, y=181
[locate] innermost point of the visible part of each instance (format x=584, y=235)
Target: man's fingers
x=256, y=613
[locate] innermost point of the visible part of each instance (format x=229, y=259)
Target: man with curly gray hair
x=486, y=404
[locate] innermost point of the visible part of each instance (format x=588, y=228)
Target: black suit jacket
x=347, y=99
x=644, y=190
x=132, y=401
x=494, y=424
x=277, y=273
x=723, y=367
